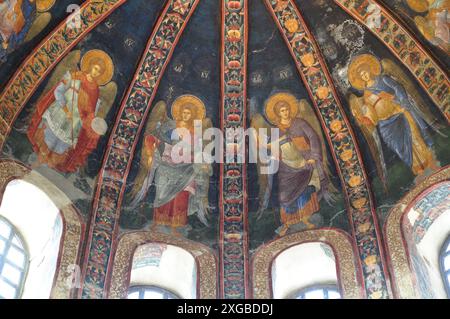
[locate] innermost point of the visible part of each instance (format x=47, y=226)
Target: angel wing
x=39, y=24
x=200, y=203
x=146, y=169
x=258, y=122
x=371, y=135
x=69, y=63
x=417, y=103
x=157, y=116
x=307, y=113
x=108, y=95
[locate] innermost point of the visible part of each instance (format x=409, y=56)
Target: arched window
x=150, y=292
x=425, y=230
x=13, y=261
x=161, y=271
x=305, y=271
x=40, y=224
x=317, y=292
x=445, y=265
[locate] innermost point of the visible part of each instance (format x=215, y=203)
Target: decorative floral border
x=348, y=272
x=73, y=230
x=233, y=204
x=406, y=47
x=45, y=57
x=129, y=242
x=356, y=186
x=402, y=277
x=122, y=143
x=429, y=208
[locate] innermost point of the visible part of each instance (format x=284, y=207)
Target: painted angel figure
x=69, y=118
x=302, y=175
x=181, y=186
x=391, y=110
x=12, y=20
x=435, y=25
x=21, y=20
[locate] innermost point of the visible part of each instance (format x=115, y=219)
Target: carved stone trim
x=339, y=242
x=129, y=242
x=402, y=277
x=72, y=225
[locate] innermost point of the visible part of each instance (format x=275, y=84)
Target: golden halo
x=418, y=5
x=199, y=109
x=44, y=5
x=101, y=58
x=290, y=99
x=367, y=60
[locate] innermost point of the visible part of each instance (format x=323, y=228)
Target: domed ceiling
x=85, y=99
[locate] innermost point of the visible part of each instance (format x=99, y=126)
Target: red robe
x=75, y=157
x=175, y=212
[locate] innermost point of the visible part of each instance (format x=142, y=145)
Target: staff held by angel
x=181, y=188
x=303, y=176
x=391, y=110
x=69, y=119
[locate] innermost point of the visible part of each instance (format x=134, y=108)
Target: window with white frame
x=40, y=224
x=317, y=292
x=13, y=261
x=305, y=271
x=162, y=271
x=150, y=292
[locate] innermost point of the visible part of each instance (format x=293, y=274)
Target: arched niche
x=128, y=243
x=165, y=266
x=346, y=272
x=414, y=235
x=302, y=267
x=66, y=277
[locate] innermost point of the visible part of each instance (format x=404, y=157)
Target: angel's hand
x=311, y=161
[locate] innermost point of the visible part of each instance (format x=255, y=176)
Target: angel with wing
x=391, y=110
x=181, y=188
x=21, y=21
x=435, y=24
x=303, y=175
x=70, y=118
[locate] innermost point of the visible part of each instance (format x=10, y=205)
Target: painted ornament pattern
x=124, y=138
x=318, y=82
x=47, y=55
x=233, y=199
x=430, y=76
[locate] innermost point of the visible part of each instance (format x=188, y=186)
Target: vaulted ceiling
x=234, y=56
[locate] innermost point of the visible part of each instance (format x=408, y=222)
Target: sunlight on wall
x=303, y=266
x=429, y=250
x=38, y=220
x=165, y=266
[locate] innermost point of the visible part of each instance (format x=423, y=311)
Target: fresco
x=62, y=131
x=24, y=23
x=304, y=193
x=429, y=17
x=378, y=92
x=21, y=21
x=360, y=118
x=180, y=198
x=69, y=119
